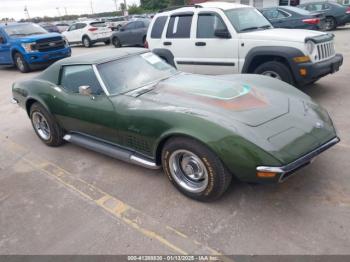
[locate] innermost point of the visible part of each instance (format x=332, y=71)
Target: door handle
x=201, y=44
x=167, y=43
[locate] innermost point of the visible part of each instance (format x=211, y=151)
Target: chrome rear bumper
x=287, y=170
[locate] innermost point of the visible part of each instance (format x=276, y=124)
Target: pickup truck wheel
x=86, y=42
x=275, y=70
x=21, y=63
x=194, y=169
x=46, y=128
x=330, y=23
x=116, y=42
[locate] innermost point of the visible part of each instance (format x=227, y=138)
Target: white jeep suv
x=226, y=38
x=88, y=33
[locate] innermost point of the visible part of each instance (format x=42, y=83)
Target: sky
x=15, y=8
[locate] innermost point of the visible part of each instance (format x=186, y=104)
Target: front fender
x=284, y=52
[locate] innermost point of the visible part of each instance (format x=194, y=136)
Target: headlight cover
x=29, y=47
x=310, y=47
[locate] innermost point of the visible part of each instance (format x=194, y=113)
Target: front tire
x=276, y=70
x=46, y=128
x=21, y=63
x=194, y=169
x=86, y=42
x=116, y=42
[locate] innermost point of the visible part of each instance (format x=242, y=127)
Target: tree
x=134, y=9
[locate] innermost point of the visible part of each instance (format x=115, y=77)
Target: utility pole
x=126, y=8
x=116, y=5
x=58, y=11
x=92, y=7
x=26, y=12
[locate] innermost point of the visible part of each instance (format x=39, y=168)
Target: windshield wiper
x=35, y=33
x=256, y=27
x=16, y=34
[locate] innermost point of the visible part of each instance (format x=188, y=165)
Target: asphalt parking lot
x=69, y=200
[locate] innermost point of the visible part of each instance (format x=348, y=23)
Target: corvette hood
x=211, y=97
x=280, y=34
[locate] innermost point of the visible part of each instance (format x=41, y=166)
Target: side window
x=129, y=26
x=139, y=24
x=326, y=7
x=73, y=77
x=317, y=7
x=269, y=14
x=179, y=26
x=81, y=26
x=72, y=27
x=158, y=27
x=281, y=14
x=2, y=38
x=207, y=24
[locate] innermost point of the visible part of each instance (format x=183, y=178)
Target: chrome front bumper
x=287, y=170
x=14, y=101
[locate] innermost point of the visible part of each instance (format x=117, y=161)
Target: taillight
x=348, y=10
x=92, y=29
x=312, y=21
x=146, y=44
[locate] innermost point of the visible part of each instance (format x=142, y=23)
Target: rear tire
x=86, y=42
x=194, y=169
x=45, y=126
x=21, y=63
x=330, y=23
x=277, y=70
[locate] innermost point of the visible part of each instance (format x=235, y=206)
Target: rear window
x=297, y=10
x=98, y=24
x=158, y=27
x=179, y=26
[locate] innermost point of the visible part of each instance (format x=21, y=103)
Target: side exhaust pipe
x=110, y=150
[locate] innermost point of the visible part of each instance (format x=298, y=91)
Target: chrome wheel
x=86, y=42
x=188, y=170
x=272, y=74
x=41, y=125
x=19, y=63
x=329, y=24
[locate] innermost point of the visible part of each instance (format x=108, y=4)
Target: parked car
x=293, y=17
x=88, y=33
x=62, y=26
x=336, y=14
x=115, y=23
x=227, y=38
x=51, y=28
x=29, y=46
x=201, y=129
x=133, y=33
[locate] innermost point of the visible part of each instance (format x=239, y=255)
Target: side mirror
x=85, y=90
x=2, y=40
x=222, y=33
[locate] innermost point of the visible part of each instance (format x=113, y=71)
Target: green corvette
x=131, y=105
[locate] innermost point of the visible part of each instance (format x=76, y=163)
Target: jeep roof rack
x=178, y=7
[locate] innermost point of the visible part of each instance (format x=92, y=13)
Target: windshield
x=247, y=19
x=133, y=72
x=24, y=30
